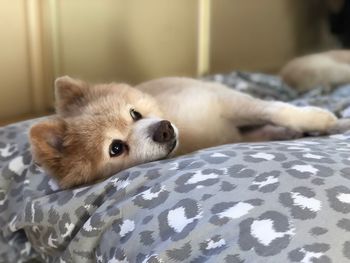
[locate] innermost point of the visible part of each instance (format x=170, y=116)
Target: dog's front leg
x=305, y=119
x=246, y=110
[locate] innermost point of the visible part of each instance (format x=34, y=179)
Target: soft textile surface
x=272, y=88
x=261, y=202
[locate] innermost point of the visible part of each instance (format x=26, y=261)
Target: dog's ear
x=46, y=139
x=50, y=146
x=70, y=94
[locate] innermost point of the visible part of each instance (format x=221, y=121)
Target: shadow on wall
x=339, y=19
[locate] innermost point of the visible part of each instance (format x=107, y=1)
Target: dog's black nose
x=164, y=132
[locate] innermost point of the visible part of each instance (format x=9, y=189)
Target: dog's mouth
x=172, y=147
x=171, y=150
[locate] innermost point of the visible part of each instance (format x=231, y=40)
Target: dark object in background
x=339, y=19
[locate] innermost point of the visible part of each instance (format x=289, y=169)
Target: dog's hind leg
x=270, y=133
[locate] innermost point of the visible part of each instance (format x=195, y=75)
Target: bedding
x=286, y=201
x=270, y=87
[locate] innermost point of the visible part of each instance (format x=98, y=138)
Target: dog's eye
x=116, y=148
x=135, y=115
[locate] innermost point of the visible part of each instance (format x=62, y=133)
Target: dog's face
x=100, y=130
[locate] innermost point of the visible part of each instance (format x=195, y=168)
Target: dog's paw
x=313, y=119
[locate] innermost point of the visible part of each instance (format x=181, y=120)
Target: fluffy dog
x=328, y=69
x=102, y=129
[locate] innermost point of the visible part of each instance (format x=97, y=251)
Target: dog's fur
x=74, y=145
x=327, y=69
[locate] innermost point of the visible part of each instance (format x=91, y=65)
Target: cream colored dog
x=328, y=69
x=102, y=129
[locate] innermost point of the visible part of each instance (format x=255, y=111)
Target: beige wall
x=15, y=89
x=136, y=40
x=127, y=40
x=262, y=35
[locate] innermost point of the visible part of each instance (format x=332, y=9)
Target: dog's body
x=102, y=129
x=209, y=114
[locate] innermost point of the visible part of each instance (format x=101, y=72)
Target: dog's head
x=100, y=130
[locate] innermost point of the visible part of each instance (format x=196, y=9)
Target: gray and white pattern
x=285, y=201
x=257, y=204
x=271, y=87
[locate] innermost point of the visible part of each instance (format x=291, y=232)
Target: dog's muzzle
x=164, y=134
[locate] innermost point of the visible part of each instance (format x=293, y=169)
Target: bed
x=283, y=201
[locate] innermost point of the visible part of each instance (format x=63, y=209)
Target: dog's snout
x=164, y=132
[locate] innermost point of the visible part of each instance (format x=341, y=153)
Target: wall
x=127, y=40
x=262, y=35
x=134, y=40
x=15, y=88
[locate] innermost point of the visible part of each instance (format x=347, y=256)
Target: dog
x=326, y=69
x=105, y=128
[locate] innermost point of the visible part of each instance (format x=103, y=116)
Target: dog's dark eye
x=135, y=115
x=116, y=148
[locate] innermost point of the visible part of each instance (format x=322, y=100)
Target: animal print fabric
x=264, y=202
x=270, y=87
